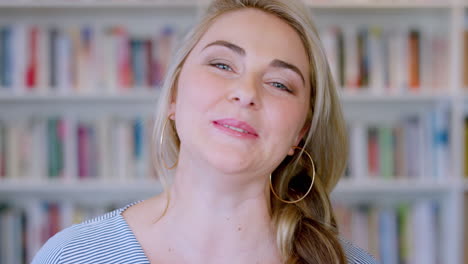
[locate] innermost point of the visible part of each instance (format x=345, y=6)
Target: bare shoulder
x=142, y=219
x=144, y=212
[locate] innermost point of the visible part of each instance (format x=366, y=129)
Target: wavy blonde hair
x=306, y=231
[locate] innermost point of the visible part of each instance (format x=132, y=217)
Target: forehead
x=260, y=33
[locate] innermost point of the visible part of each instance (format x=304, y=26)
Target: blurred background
x=79, y=81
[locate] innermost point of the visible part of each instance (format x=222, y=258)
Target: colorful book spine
x=72, y=148
x=414, y=59
x=395, y=232
x=3, y=150
x=466, y=147
x=413, y=147
x=26, y=226
x=82, y=59
x=32, y=64
x=386, y=60
x=6, y=57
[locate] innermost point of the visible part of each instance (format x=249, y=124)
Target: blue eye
x=281, y=86
x=222, y=66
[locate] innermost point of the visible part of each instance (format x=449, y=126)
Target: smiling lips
x=236, y=128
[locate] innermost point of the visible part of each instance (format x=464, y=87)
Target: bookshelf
x=430, y=109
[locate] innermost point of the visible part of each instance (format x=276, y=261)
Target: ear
x=172, y=112
x=299, y=138
x=172, y=104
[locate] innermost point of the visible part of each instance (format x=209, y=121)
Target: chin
x=229, y=162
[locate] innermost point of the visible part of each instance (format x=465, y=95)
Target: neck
x=217, y=216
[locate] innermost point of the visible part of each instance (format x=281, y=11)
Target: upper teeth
x=236, y=128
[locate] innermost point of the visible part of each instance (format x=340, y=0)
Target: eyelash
x=283, y=87
x=223, y=65
x=217, y=64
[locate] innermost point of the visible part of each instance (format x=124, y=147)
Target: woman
x=251, y=134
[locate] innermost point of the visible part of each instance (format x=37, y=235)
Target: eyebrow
x=282, y=64
x=228, y=45
x=275, y=63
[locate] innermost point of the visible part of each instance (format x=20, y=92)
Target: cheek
x=197, y=88
x=288, y=120
x=197, y=93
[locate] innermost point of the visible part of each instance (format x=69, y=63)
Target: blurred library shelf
x=355, y=192
x=82, y=191
x=79, y=81
x=195, y=3
x=412, y=187
x=413, y=99
x=372, y=4
x=100, y=3
x=136, y=97
x=50, y=188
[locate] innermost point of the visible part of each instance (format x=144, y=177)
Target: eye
x=281, y=86
x=221, y=66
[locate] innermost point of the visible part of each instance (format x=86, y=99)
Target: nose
x=245, y=93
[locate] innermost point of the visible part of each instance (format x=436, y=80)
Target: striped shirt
x=108, y=239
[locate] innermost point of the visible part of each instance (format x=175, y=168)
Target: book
x=83, y=59
x=411, y=147
x=386, y=60
x=69, y=148
x=393, y=232
x=465, y=134
x=25, y=226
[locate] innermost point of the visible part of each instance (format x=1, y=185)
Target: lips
x=236, y=125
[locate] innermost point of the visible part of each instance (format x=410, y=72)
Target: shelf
x=421, y=99
x=370, y=189
x=364, y=106
x=79, y=191
x=194, y=3
x=131, y=103
x=439, y=21
x=372, y=4
x=27, y=98
x=356, y=106
x=388, y=191
x=349, y=98
x=96, y=3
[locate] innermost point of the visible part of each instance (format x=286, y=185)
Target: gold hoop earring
x=310, y=187
x=161, y=139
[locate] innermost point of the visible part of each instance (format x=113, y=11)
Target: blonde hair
x=306, y=231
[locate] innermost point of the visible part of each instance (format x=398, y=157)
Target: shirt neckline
x=128, y=229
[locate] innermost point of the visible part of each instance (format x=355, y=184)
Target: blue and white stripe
x=108, y=239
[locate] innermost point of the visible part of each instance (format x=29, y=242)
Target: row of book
x=465, y=226
x=117, y=148
x=92, y=59
x=465, y=134
x=465, y=56
x=407, y=233
x=25, y=228
x=82, y=59
x=387, y=60
x=379, y=1
x=403, y=233
x=71, y=148
x=414, y=147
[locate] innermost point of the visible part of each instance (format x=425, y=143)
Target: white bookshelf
x=90, y=191
x=194, y=3
x=358, y=107
x=108, y=191
x=99, y=3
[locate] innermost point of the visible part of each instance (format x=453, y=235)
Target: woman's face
x=243, y=94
